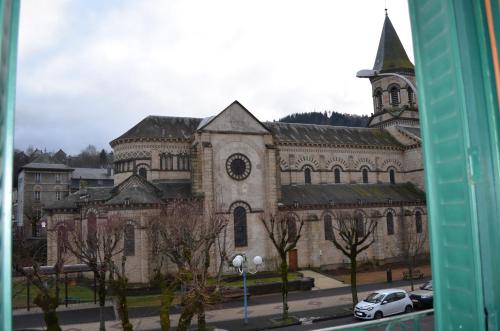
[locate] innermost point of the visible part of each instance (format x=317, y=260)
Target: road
x=426, y=324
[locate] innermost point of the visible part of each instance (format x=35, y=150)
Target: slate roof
x=165, y=127
x=91, y=173
x=349, y=193
x=46, y=166
x=411, y=130
x=391, y=55
x=135, y=194
x=331, y=135
x=71, y=201
x=175, y=190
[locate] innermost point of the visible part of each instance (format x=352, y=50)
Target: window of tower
x=378, y=100
x=410, y=96
x=394, y=92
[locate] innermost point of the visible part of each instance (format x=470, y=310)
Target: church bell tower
x=394, y=101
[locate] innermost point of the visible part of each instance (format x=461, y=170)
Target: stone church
x=250, y=168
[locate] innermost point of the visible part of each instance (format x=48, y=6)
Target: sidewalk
x=322, y=282
x=258, y=313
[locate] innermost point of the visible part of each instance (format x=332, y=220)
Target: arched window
x=240, y=226
x=336, y=174
x=291, y=227
x=328, y=225
x=365, y=175
x=418, y=221
x=62, y=239
x=307, y=175
x=390, y=223
x=169, y=162
x=392, y=176
x=129, y=240
x=360, y=226
x=394, y=96
x=378, y=100
x=183, y=161
x=411, y=97
x=143, y=173
x=92, y=231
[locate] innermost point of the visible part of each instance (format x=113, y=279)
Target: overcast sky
x=90, y=70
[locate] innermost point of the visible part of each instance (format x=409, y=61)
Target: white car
x=383, y=303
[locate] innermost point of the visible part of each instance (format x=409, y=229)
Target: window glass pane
x=337, y=175
x=129, y=240
x=328, y=227
x=307, y=176
x=390, y=223
x=418, y=222
x=240, y=227
x=365, y=176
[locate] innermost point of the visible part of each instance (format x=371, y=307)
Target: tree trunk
x=202, y=323
x=284, y=286
x=186, y=316
x=121, y=295
x=102, y=300
x=166, y=299
x=48, y=305
x=354, y=287
x=51, y=320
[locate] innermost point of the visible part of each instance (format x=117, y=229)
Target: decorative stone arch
x=360, y=212
x=420, y=209
x=396, y=164
x=309, y=160
x=92, y=211
x=336, y=162
x=293, y=215
x=364, y=161
x=389, y=210
x=283, y=164
x=239, y=203
x=142, y=169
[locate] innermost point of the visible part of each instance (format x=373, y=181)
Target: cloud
x=90, y=70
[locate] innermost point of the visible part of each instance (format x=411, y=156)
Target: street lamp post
x=240, y=263
x=368, y=73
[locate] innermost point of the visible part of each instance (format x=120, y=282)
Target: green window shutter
x=9, y=21
x=460, y=127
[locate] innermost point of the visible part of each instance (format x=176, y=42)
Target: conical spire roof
x=391, y=55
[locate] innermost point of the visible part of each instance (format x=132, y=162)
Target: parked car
x=383, y=303
x=423, y=298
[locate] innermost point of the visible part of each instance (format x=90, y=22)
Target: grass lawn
x=86, y=293
x=372, y=277
x=19, y=293
x=291, y=276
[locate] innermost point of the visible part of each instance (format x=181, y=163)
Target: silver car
x=383, y=303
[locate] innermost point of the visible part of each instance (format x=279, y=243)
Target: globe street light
x=368, y=73
x=241, y=265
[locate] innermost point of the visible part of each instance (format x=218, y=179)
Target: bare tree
x=284, y=230
x=412, y=240
x=96, y=246
x=119, y=283
x=46, y=279
x=352, y=234
x=187, y=233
